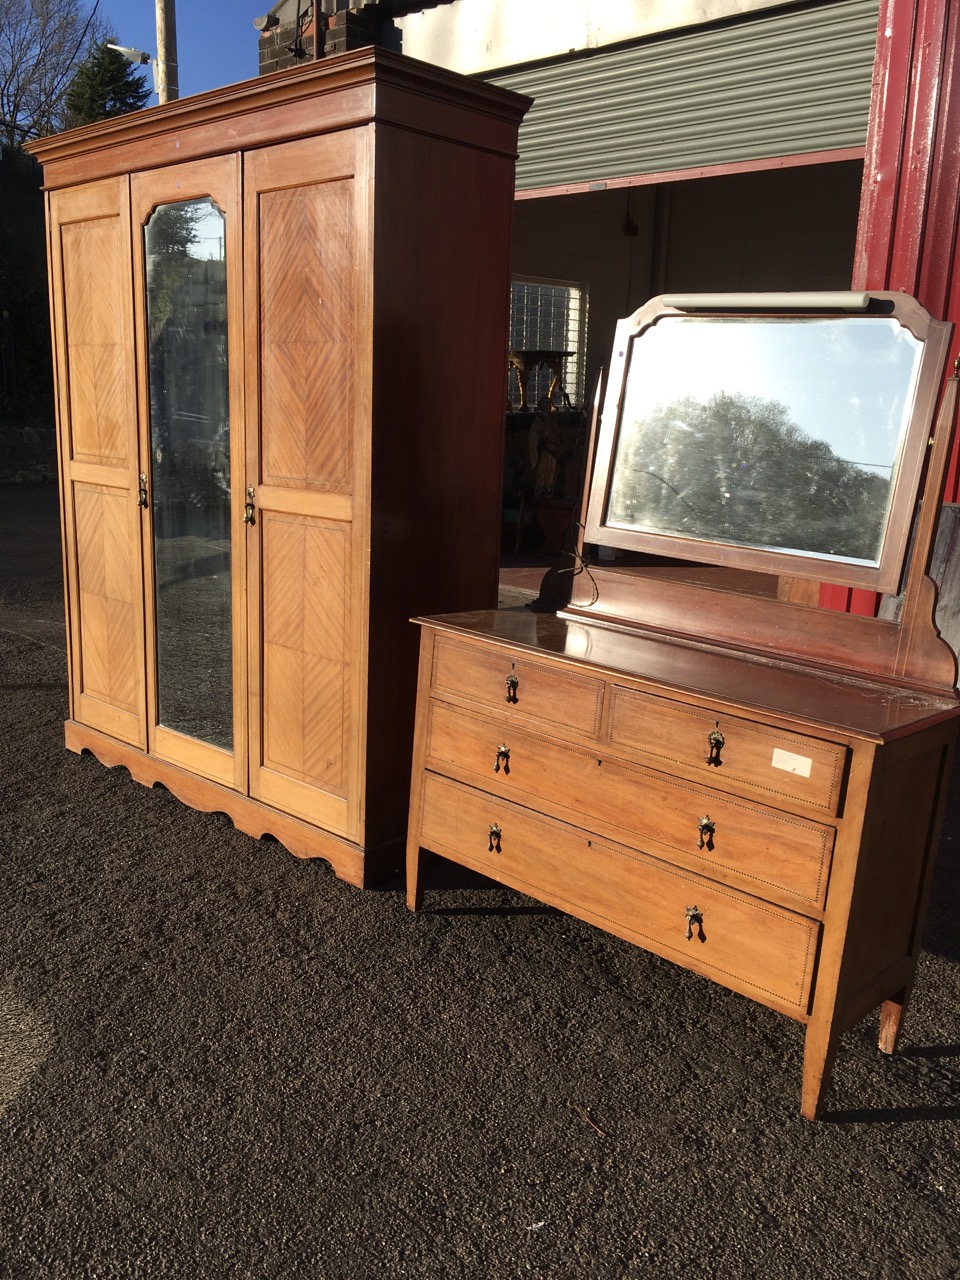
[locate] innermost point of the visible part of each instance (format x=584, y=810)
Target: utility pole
x=168, y=85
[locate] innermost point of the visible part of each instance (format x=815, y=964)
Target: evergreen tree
x=105, y=85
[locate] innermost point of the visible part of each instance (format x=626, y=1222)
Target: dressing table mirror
x=693, y=754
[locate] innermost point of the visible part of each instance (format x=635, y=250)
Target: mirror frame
x=884, y=577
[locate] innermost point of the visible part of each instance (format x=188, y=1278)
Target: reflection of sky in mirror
x=207, y=231
x=848, y=382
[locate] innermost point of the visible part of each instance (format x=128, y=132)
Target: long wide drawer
x=751, y=946
x=761, y=848
x=513, y=684
x=785, y=765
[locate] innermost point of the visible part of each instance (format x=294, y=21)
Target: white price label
x=791, y=763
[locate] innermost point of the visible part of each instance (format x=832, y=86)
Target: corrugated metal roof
x=784, y=83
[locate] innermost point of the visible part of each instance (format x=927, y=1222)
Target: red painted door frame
x=907, y=236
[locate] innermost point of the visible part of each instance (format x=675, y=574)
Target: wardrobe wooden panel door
x=308, y=321
x=90, y=255
x=188, y=293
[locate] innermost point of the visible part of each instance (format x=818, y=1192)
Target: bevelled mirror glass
x=771, y=439
x=186, y=292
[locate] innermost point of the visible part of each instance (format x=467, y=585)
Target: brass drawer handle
x=715, y=741
x=503, y=754
x=495, y=834
x=695, y=917
x=707, y=828
x=512, y=682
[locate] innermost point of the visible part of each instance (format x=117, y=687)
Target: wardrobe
x=280, y=330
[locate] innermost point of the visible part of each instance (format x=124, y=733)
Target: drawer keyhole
x=695, y=917
x=706, y=827
x=715, y=741
x=495, y=834
x=503, y=758
x=512, y=682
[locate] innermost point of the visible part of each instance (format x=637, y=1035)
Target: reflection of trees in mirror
x=186, y=308
x=736, y=469
x=169, y=236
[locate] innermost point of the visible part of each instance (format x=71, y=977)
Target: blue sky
x=216, y=39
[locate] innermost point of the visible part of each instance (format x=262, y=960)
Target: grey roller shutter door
x=791, y=82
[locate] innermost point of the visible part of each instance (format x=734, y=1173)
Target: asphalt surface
x=217, y=1061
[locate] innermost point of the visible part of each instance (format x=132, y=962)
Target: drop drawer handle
x=707, y=829
x=503, y=754
x=495, y=834
x=512, y=682
x=715, y=741
x=694, y=917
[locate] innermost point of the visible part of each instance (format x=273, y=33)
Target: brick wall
x=349, y=28
x=275, y=48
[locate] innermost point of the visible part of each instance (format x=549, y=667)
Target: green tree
x=105, y=85
x=41, y=44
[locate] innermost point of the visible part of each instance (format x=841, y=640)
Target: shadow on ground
x=218, y=1061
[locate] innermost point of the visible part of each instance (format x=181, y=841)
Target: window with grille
x=548, y=320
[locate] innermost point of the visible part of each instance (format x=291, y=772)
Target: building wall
x=478, y=36
x=776, y=229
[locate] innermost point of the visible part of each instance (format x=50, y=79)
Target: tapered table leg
x=819, y=1051
x=415, y=861
x=891, y=1020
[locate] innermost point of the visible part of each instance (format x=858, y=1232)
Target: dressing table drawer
x=724, y=748
x=762, y=849
x=740, y=941
x=511, y=683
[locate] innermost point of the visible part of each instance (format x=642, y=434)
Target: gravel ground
x=217, y=1061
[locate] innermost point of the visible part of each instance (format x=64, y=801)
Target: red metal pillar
x=907, y=237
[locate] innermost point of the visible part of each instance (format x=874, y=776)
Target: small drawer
x=751, y=946
x=510, y=683
x=761, y=848
x=787, y=766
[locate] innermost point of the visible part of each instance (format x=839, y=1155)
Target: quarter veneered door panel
x=95, y=299
x=306, y=661
x=109, y=612
x=90, y=242
x=307, y=308
x=307, y=335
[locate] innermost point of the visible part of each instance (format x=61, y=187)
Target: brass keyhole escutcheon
x=695, y=917
x=249, y=516
x=513, y=683
x=503, y=759
x=495, y=833
x=706, y=828
x=715, y=741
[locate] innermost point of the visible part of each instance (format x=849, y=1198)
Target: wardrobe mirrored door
x=191, y=472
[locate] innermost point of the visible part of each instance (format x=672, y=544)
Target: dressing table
x=690, y=754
